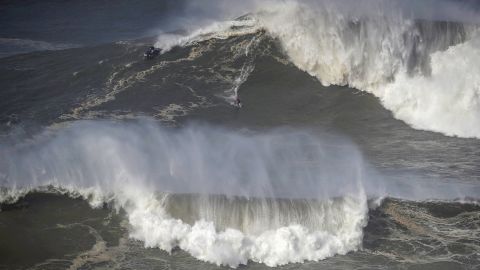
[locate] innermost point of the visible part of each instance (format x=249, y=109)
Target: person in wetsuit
x=238, y=103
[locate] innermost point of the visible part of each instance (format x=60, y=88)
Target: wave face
x=224, y=197
x=423, y=66
x=425, y=72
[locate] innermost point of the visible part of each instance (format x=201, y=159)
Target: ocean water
x=356, y=145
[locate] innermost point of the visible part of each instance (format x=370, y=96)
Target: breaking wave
x=423, y=68
x=225, y=197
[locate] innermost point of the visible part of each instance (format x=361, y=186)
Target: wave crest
x=425, y=72
x=224, y=197
x=423, y=68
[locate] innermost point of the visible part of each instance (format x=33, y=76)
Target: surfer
x=237, y=102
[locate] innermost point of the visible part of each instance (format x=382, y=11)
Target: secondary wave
x=225, y=197
x=222, y=196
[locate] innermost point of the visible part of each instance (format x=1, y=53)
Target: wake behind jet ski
x=151, y=53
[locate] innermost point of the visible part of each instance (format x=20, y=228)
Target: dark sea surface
x=112, y=161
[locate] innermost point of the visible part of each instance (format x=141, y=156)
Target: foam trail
x=245, y=71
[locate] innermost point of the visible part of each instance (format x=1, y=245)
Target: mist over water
x=104, y=156
x=225, y=197
x=196, y=159
x=286, y=185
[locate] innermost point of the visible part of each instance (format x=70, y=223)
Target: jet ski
x=151, y=53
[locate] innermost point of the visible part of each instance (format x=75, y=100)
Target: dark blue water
x=37, y=25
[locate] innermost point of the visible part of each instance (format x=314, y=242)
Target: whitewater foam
x=225, y=197
x=403, y=61
x=448, y=100
x=292, y=243
x=139, y=167
x=423, y=67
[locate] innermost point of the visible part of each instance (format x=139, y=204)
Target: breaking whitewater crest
x=224, y=197
x=166, y=180
x=424, y=71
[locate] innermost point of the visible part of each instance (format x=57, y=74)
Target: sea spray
x=276, y=197
x=413, y=66
x=421, y=63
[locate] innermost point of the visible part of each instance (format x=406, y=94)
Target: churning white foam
x=225, y=197
x=423, y=67
x=391, y=56
x=136, y=166
x=448, y=100
x=276, y=246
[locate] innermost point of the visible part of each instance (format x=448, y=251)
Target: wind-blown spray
x=222, y=196
x=419, y=59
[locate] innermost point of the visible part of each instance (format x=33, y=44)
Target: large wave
x=423, y=66
x=225, y=197
x=425, y=72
